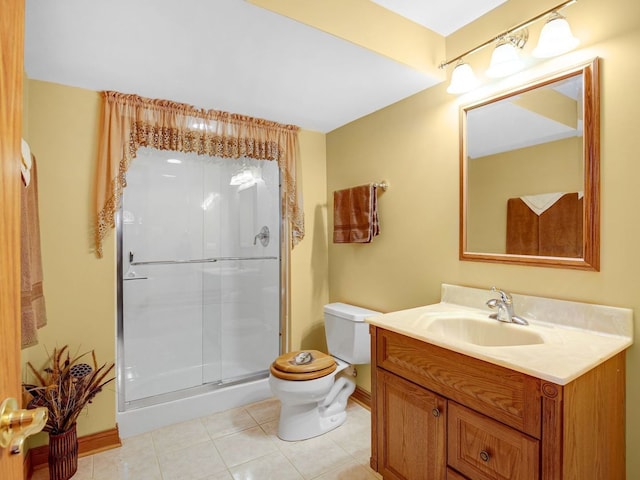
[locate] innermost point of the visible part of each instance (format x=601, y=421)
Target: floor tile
x=271, y=429
x=229, y=421
x=315, y=456
x=274, y=466
x=85, y=469
x=193, y=462
x=226, y=475
x=349, y=471
x=265, y=411
x=181, y=435
x=118, y=464
x=240, y=444
x=244, y=446
x=354, y=437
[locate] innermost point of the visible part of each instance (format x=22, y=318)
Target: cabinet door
x=483, y=449
x=411, y=430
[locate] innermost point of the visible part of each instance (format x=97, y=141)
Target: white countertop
x=569, y=347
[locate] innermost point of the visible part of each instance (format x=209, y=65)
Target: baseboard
x=362, y=397
x=37, y=457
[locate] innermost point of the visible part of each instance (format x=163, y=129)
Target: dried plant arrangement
x=65, y=385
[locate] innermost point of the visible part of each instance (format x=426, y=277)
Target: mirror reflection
x=529, y=168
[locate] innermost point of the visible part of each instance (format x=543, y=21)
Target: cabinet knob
x=484, y=455
x=435, y=412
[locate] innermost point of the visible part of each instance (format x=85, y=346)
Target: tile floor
x=239, y=444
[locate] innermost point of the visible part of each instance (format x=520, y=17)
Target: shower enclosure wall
x=200, y=296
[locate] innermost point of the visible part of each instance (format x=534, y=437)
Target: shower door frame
x=285, y=309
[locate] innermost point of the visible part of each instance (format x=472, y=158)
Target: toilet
x=313, y=387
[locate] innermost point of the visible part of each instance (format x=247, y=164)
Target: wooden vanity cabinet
x=412, y=422
x=441, y=415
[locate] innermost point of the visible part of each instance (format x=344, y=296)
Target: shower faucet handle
x=263, y=236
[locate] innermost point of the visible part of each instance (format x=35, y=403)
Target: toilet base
x=300, y=422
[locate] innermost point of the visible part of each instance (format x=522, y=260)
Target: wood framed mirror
x=530, y=173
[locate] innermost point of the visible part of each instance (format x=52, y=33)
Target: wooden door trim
x=11, y=60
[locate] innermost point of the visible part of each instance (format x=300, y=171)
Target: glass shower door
x=162, y=298
x=241, y=310
x=200, y=279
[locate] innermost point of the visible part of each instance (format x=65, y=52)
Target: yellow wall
x=80, y=290
x=492, y=180
x=309, y=259
x=414, y=145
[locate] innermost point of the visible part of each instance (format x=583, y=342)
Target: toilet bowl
x=314, y=387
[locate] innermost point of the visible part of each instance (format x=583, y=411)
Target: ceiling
x=229, y=55
x=511, y=123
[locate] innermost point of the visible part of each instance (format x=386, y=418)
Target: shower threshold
x=193, y=391
x=191, y=404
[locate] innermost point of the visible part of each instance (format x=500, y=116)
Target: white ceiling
x=227, y=55
x=441, y=16
x=503, y=126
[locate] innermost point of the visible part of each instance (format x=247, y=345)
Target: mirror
x=529, y=174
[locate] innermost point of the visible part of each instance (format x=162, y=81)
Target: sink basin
x=483, y=332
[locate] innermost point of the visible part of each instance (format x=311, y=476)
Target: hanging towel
x=540, y=203
x=561, y=228
x=555, y=232
x=523, y=228
x=355, y=214
x=26, y=162
x=34, y=314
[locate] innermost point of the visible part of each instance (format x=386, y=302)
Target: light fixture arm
x=508, y=32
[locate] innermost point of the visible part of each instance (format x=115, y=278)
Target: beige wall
x=80, y=290
x=309, y=259
x=414, y=145
x=494, y=179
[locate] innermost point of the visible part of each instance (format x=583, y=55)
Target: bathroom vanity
x=460, y=396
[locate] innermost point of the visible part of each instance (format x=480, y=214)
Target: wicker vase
x=63, y=454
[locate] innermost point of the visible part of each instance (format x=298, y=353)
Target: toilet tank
x=347, y=333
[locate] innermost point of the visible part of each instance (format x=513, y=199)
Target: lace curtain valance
x=130, y=122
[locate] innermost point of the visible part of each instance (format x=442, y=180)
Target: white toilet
x=314, y=387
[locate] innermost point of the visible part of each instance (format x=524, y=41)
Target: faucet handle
x=492, y=303
x=504, y=296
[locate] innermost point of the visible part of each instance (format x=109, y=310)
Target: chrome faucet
x=505, y=311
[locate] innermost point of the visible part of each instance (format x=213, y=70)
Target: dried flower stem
x=64, y=394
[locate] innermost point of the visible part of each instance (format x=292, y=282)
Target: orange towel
x=355, y=215
x=34, y=314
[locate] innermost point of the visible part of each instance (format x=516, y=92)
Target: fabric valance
x=130, y=122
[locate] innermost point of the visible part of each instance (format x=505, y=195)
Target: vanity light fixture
x=462, y=79
x=505, y=59
x=555, y=39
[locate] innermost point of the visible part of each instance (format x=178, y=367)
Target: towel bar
x=383, y=185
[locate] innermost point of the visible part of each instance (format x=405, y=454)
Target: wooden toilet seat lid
x=303, y=365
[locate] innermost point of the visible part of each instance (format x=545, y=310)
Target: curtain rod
x=506, y=32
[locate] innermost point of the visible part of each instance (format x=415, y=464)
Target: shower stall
x=199, y=275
